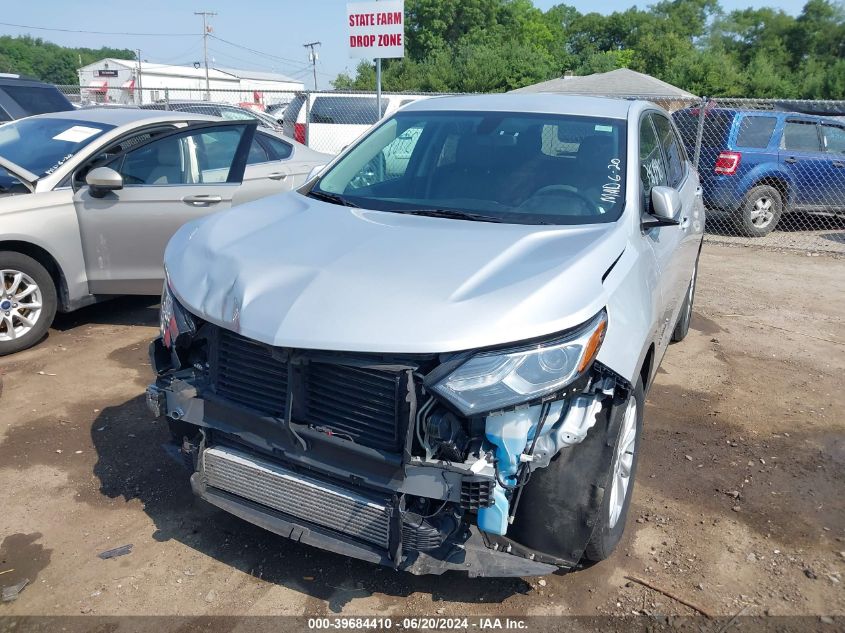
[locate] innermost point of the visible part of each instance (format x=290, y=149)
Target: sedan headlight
x=494, y=380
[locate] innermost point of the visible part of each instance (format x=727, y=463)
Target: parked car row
x=89, y=199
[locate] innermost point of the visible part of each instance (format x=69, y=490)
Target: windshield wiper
x=333, y=198
x=451, y=213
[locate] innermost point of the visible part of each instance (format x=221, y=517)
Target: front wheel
x=27, y=302
x=760, y=211
x=620, y=486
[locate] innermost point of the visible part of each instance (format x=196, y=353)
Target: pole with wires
x=205, y=30
x=140, y=89
x=312, y=57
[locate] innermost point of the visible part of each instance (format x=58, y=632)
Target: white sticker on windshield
x=77, y=134
x=604, y=128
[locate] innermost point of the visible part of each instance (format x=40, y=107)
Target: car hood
x=292, y=271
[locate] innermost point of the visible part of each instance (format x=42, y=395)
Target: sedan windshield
x=42, y=145
x=486, y=166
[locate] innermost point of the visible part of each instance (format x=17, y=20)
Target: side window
x=257, y=153
x=652, y=169
x=215, y=151
x=191, y=158
x=801, y=136
x=346, y=110
x=755, y=131
x=279, y=148
x=671, y=149
x=162, y=162
x=834, y=139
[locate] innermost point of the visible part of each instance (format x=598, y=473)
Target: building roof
x=214, y=72
x=620, y=82
x=606, y=107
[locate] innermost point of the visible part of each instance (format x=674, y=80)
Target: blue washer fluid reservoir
x=509, y=433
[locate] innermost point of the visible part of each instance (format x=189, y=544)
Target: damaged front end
x=492, y=462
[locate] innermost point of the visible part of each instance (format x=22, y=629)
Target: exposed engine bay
x=362, y=455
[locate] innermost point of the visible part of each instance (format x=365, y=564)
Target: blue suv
x=757, y=165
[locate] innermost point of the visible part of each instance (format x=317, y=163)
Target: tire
x=24, y=284
x=614, y=510
x=760, y=212
x=685, y=316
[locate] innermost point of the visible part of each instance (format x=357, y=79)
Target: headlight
x=173, y=320
x=494, y=380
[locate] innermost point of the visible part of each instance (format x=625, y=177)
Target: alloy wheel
x=762, y=212
x=20, y=304
x=623, y=462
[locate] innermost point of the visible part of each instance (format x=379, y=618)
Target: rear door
x=269, y=169
x=168, y=181
x=801, y=155
x=833, y=185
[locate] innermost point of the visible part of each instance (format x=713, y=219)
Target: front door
x=168, y=181
x=833, y=183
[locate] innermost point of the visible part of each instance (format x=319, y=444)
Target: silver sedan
x=89, y=199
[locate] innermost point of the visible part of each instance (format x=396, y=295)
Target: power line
x=44, y=28
x=252, y=50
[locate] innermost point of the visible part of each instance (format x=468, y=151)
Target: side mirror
x=665, y=206
x=102, y=180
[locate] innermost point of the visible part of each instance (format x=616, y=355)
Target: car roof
x=124, y=116
x=693, y=112
x=545, y=103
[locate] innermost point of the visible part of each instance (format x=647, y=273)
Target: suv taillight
x=299, y=132
x=727, y=163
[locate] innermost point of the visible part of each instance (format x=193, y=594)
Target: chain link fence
x=772, y=171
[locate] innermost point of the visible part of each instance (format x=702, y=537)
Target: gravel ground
x=738, y=504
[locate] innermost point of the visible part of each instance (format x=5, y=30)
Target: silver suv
x=435, y=355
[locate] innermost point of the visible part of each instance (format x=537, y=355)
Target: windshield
x=42, y=145
x=494, y=166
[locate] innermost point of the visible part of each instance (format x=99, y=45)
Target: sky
x=275, y=30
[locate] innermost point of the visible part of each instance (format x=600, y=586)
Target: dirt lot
x=738, y=505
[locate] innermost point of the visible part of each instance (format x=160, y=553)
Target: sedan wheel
x=20, y=304
x=27, y=302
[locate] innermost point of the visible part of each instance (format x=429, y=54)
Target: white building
x=127, y=81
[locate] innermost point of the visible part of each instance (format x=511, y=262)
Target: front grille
x=356, y=403
x=318, y=502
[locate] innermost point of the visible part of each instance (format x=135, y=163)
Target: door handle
x=699, y=191
x=202, y=200
x=277, y=175
x=790, y=160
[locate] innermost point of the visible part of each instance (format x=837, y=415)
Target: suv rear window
x=755, y=131
x=346, y=110
x=717, y=124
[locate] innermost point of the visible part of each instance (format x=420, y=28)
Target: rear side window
x=346, y=110
x=293, y=108
x=755, y=131
x=834, y=138
x=280, y=149
x=801, y=136
x=671, y=149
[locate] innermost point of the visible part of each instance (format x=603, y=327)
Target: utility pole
x=312, y=57
x=205, y=28
x=140, y=88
